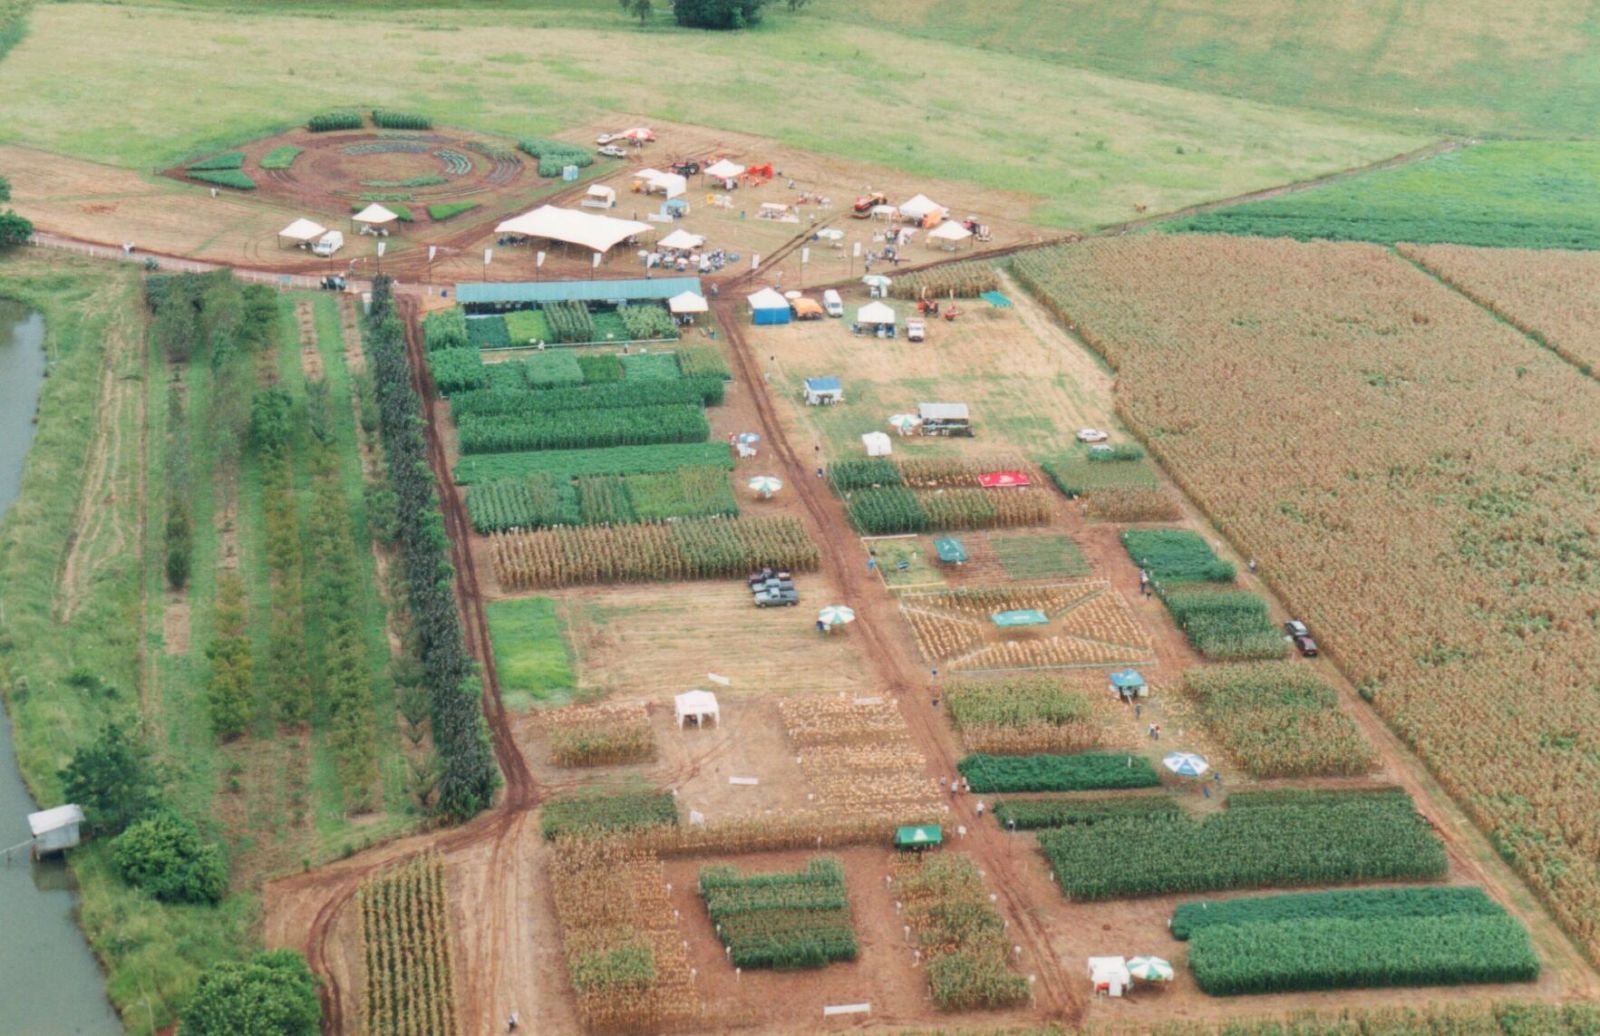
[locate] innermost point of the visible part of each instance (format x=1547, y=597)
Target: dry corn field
x=858, y=759
x=1418, y=480
x=1554, y=295
x=600, y=735
x=405, y=931
x=1090, y=624
x=624, y=954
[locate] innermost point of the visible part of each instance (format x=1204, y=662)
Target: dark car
x=1296, y=628
x=756, y=579
x=775, y=597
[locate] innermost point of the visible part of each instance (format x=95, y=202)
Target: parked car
x=775, y=598
x=758, y=579
x=612, y=151
x=1091, y=435
x=916, y=330
x=1301, y=637
x=833, y=303
x=333, y=282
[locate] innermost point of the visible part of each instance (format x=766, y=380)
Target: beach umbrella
x=875, y=280
x=766, y=485
x=836, y=615
x=1186, y=764
x=749, y=438
x=1150, y=969
x=903, y=423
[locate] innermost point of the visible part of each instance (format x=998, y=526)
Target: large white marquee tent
x=597, y=233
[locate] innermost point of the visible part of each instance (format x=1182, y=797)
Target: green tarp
x=1022, y=617
x=917, y=836
x=950, y=550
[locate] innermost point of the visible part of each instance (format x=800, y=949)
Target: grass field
x=927, y=108
x=1505, y=194
x=1452, y=66
x=530, y=653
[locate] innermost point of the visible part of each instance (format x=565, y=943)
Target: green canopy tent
x=918, y=836
x=1020, y=617
x=950, y=550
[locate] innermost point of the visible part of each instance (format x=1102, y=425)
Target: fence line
x=283, y=281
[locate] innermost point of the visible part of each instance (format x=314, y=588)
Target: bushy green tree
x=272, y=994
x=228, y=691
x=717, y=14
x=166, y=856
x=114, y=779
x=14, y=230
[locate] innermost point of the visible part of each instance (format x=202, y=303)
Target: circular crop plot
x=428, y=175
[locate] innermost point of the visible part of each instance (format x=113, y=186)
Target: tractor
x=864, y=205
x=928, y=307
x=978, y=230
x=688, y=167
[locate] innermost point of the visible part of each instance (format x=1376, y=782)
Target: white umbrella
x=836, y=615
x=830, y=234
x=749, y=437
x=875, y=280
x=903, y=423
x=766, y=485
x=1186, y=764
x=1151, y=969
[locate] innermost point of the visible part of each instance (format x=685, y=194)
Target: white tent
x=682, y=240
x=599, y=233
x=877, y=444
x=918, y=208
x=950, y=231
x=303, y=230
x=374, y=215
x=670, y=184
x=696, y=705
x=768, y=298
x=723, y=169
x=875, y=313
x=688, y=302
x=879, y=211
x=599, y=196
x=1110, y=972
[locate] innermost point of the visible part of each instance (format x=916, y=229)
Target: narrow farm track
x=1019, y=887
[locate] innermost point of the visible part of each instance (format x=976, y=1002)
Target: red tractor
x=928, y=307
x=756, y=175
x=864, y=205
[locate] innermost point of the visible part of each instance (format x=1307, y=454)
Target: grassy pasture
x=1101, y=146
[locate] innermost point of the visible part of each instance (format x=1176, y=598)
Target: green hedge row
x=1349, y=905
x=329, y=121
x=446, y=209
x=699, y=391
x=864, y=473
x=1087, y=771
x=1174, y=556
x=1336, y=953
x=577, y=429
x=226, y=160
x=1226, y=625
x=615, y=811
x=554, y=155
x=886, y=511
x=1331, y=840
x=400, y=120
x=1038, y=814
x=233, y=178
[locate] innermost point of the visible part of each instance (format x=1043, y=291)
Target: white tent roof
x=49, y=820
x=600, y=190
x=670, y=184
x=942, y=411
x=875, y=313
x=303, y=230
x=698, y=704
x=877, y=444
x=688, y=302
x=1110, y=969
x=767, y=298
x=884, y=210
x=723, y=169
x=681, y=239
x=949, y=230
x=919, y=207
x=599, y=233
x=375, y=213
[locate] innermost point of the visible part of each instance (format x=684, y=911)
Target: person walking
x=980, y=809
x=513, y=1022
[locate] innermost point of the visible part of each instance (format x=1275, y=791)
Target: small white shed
x=824, y=391
x=55, y=829
x=1109, y=975
x=877, y=444
x=696, y=705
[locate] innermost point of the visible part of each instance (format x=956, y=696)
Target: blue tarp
x=995, y=299
x=823, y=384
x=1129, y=678
x=1021, y=617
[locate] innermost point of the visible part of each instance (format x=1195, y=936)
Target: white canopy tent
x=375, y=215
x=302, y=231
x=696, y=705
x=670, y=184
x=875, y=313
x=598, y=233
x=768, y=298
x=948, y=232
x=599, y=196
x=681, y=240
x=1109, y=973
x=918, y=208
x=723, y=169
x=688, y=302
x=877, y=444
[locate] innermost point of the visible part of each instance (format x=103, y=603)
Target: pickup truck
x=774, y=597
x=756, y=579
x=916, y=330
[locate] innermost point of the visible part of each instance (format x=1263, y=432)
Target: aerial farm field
x=559, y=655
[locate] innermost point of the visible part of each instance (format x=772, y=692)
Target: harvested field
x=1453, y=572
x=1090, y=624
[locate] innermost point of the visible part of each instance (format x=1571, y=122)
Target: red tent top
x=1003, y=479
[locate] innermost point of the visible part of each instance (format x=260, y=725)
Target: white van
x=833, y=303
x=328, y=243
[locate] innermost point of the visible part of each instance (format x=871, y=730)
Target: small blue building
x=768, y=306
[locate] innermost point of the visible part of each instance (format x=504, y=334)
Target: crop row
x=647, y=322
x=1019, y=716
x=328, y=121
x=895, y=510
x=1345, y=904
x=594, y=813
x=554, y=155
x=238, y=180
x=606, y=396
x=967, y=280
x=600, y=735
x=405, y=927
x=1226, y=625
x=1305, y=841
x=918, y=472
x=1039, y=814
x=709, y=548
x=567, y=464
x=583, y=429
x=1277, y=720
x=962, y=937
x=400, y=120
x=1088, y=771
x=797, y=919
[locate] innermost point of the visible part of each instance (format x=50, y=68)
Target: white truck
x=916, y=330
x=328, y=243
x=833, y=303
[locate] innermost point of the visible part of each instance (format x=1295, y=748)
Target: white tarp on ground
x=877, y=444
x=919, y=207
x=303, y=230
x=723, y=169
x=599, y=233
x=875, y=313
x=949, y=230
x=374, y=214
x=688, y=302
x=697, y=705
x=767, y=298
x=682, y=240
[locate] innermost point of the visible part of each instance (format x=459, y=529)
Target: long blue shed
x=768, y=306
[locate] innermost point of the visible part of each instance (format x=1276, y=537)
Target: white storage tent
x=656, y=182
x=302, y=231
x=688, y=302
x=375, y=215
x=875, y=313
x=599, y=233
x=877, y=444
x=681, y=240
x=696, y=705
x=723, y=169
x=948, y=232
x=919, y=207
